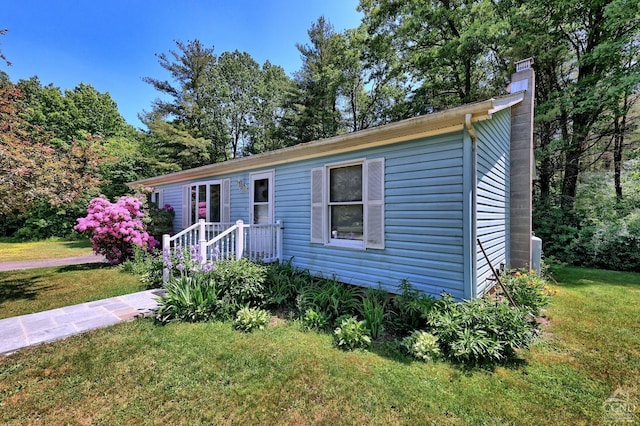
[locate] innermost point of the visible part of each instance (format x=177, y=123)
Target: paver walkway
x=55, y=324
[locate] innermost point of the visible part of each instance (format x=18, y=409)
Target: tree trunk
x=618, y=147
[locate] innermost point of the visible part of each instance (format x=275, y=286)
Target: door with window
x=261, y=238
x=208, y=201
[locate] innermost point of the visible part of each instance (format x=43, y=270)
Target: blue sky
x=112, y=44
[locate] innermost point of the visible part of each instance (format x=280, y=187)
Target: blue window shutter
x=374, y=204
x=317, y=206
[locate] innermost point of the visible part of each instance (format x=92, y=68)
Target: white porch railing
x=262, y=242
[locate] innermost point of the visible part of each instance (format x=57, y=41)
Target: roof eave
x=447, y=121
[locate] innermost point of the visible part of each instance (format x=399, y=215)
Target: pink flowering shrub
x=114, y=228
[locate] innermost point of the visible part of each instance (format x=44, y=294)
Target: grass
x=33, y=290
x=140, y=373
x=38, y=250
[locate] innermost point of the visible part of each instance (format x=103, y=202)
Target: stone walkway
x=55, y=324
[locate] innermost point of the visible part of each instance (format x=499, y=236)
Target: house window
x=347, y=204
x=155, y=198
x=206, y=200
x=346, y=207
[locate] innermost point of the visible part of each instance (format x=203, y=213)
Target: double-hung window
x=206, y=200
x=347, y=204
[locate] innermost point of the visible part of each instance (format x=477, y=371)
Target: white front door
x=261, y=214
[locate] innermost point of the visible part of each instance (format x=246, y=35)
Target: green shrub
x=241, y=283
x=160, y=220
x=480, y=331
x=352, y=334
x=374, y=303
x=410, y=308
x=313, y=320
x=528, y=289
x=44, y=221
x=248, y=319
x=190, y=299
x=147, y=264
x=422, y=345
x=616, y=245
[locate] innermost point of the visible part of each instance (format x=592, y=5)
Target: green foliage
x=445, y=52
x=283, y=284
x=313, y=320
x=234, y=284
x=616, y=245
x=374, y=303
x=331, y=297
x=249, y=319
x=160, y=220
x=480, y=331
x=422, y=345
x=147, y=264
x=602, y=231
x=44, y=221
x=216, y=107
x=190, y=299
x=410, y=308
x=241, y=282
x=352, y=334
x=528, y=289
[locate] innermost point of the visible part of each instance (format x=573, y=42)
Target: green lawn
x=140, y=373
x=33, y=290
x=37, y=250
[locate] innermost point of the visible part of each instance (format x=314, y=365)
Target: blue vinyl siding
x=423, y=219
x=492, y=201
x=424, y=212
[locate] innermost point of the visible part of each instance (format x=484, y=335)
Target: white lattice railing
x=262, y=242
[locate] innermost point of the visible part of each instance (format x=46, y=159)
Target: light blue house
x=408, y=200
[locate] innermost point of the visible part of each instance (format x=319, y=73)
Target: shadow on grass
x=27, y=284
x=84, y=267
x=77, y=244
x=573, y=276
x=23, y=288
x=393, y=351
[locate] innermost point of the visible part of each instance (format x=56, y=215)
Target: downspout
x=474, y=183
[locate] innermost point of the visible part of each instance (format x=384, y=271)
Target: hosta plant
x=422, y=345
x=313, y=320
x=249, y=319
x=352, y=334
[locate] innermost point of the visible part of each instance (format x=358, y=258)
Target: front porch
x=233, y=240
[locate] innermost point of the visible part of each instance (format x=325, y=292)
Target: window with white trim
x=206, y=200
x=155, y=197
x=347, y=204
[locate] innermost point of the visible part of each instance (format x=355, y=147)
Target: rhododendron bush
x=114, y=228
